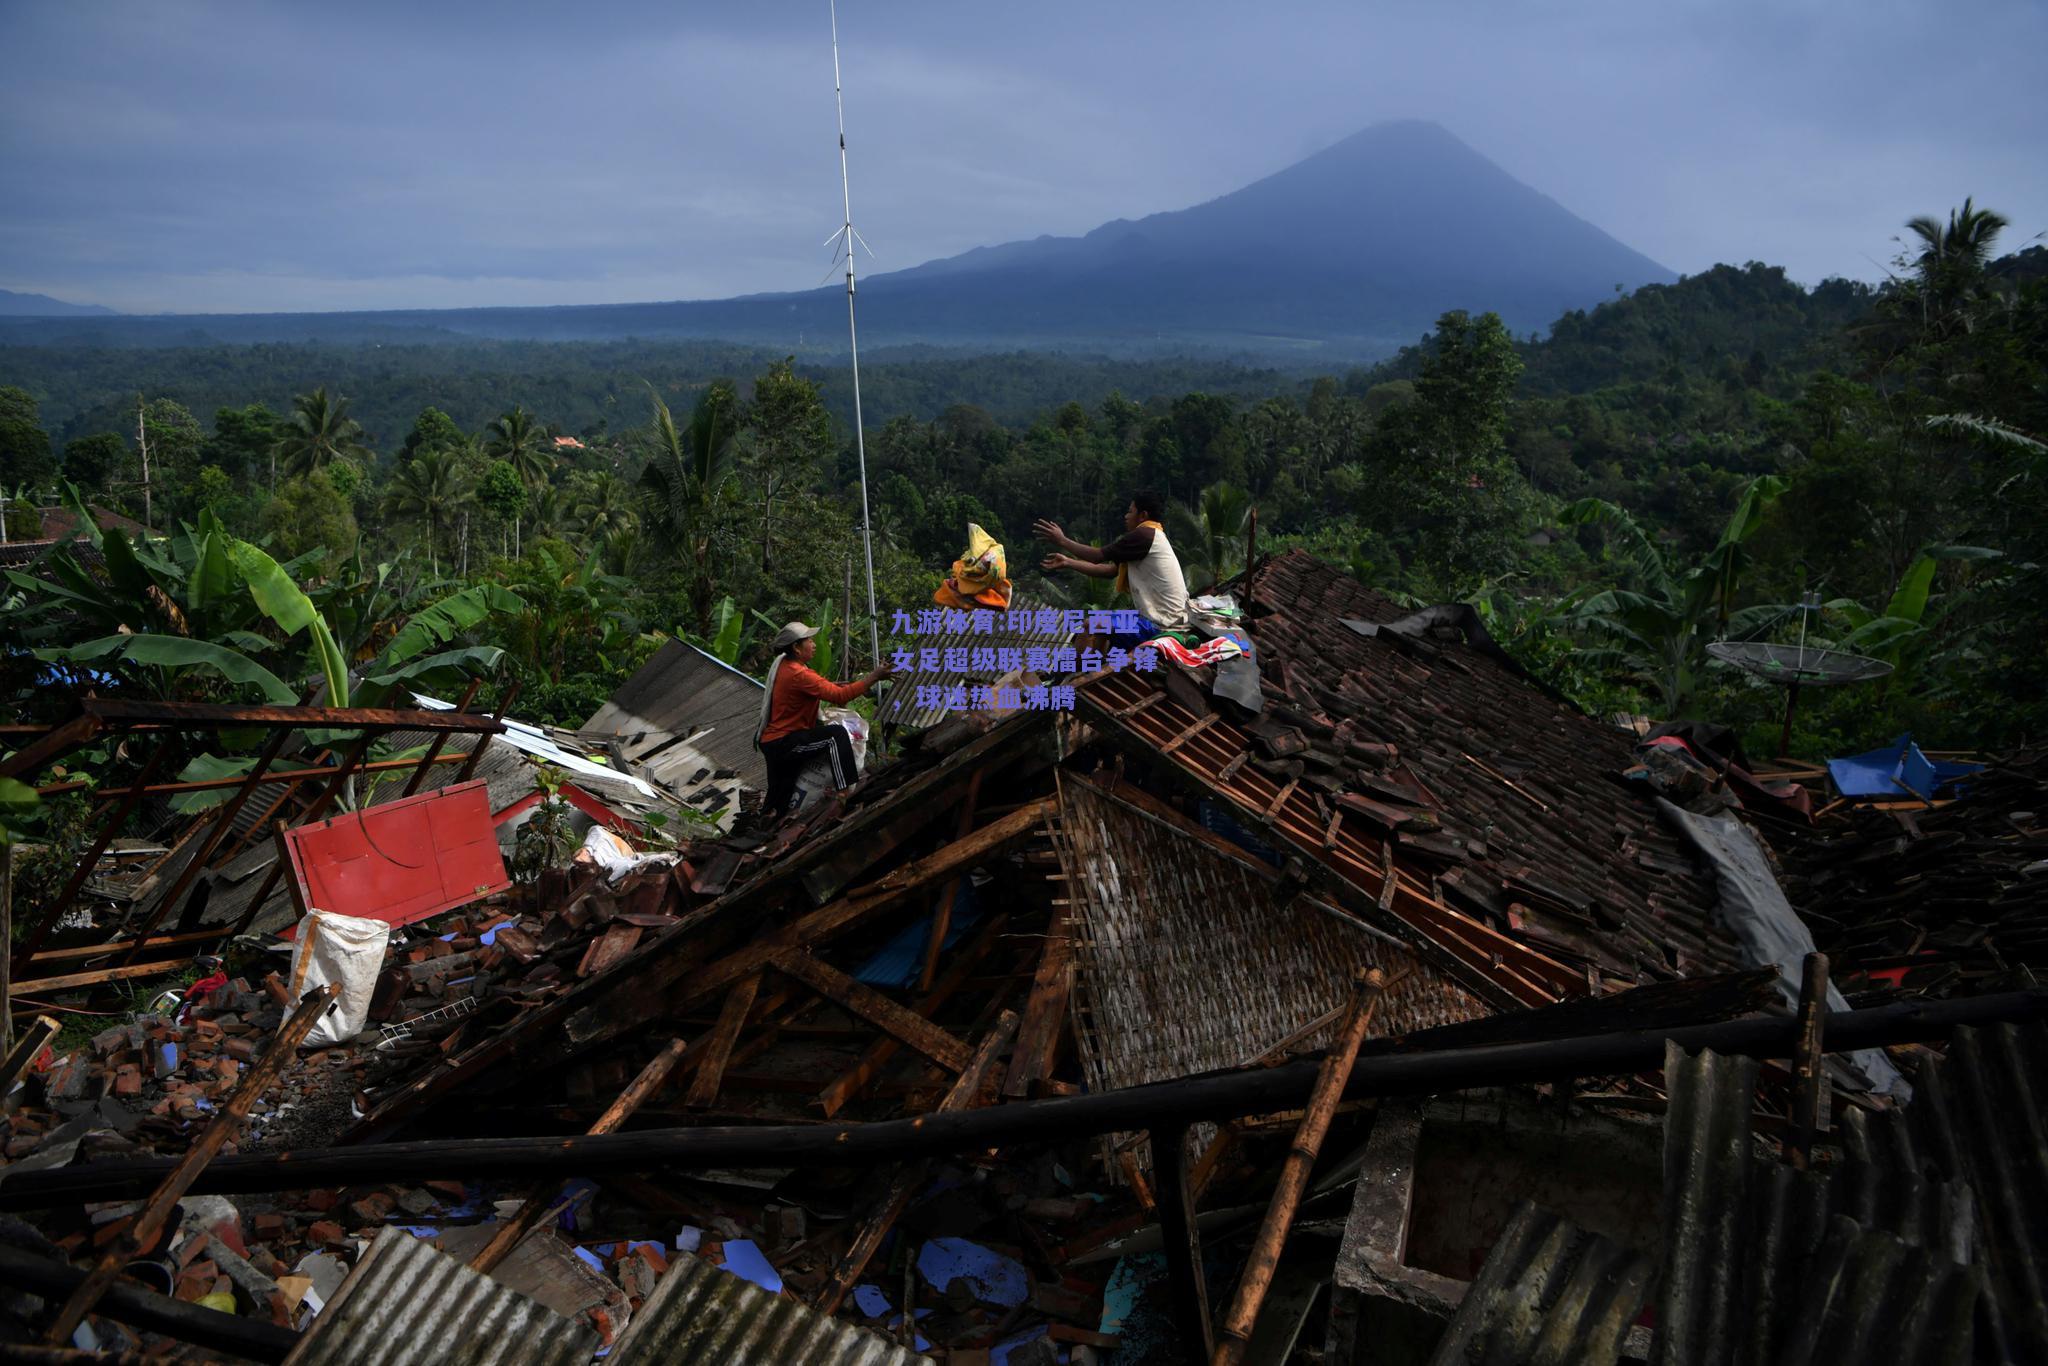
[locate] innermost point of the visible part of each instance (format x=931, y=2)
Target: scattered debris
x=1009, y=1052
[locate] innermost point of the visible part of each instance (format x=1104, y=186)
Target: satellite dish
x=1794, y=666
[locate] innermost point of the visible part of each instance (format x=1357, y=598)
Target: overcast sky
x=217, y=156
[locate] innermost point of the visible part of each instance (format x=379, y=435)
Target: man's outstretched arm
x=1092, y=568
x=1047, y=530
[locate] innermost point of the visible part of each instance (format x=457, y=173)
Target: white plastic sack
x=604, y=849
x=338, y=948
x=856, y=727
x=608, y=852
x=816, y=778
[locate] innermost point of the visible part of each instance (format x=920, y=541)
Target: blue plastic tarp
x=1897, y=770
x=900, y=962
x=994, y=1278
x=747, y=1262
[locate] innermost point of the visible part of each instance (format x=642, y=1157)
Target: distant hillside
x=1345, y=255
x=13, y=305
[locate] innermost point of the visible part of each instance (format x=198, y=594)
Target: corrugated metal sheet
x=1977, y=1120
x=409, y=1304
x=707, y=1316
x=899, y=706
x=683, y=695
x=1708, y=1164
x=1550, y=1294
x=1871, y=1300
x=1753, y=1250
x=1189, y=960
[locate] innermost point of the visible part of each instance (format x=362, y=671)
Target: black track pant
x=792, y=754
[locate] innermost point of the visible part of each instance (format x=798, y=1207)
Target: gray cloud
x=217, y=155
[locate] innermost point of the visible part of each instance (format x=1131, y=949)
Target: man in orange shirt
x=789, y=735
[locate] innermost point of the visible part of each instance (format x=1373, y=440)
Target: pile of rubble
x=1105, y=1035
x=1931, y=899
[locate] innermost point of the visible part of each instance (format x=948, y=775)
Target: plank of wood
x=965, y=1092
x=1273, y=809
x=158, y=1209
x=904, y=1024
x=942, y=912
x=96, y=976
x=849, y=1084
x=1045, y=1009
x=1149, y=699
x=1201, y=724
x=39, y=1032
x=674, y=977
x=828, y=922
x=55, y=743
x=1181, y=1238
x=718, y=1044
x=156, y=941
x=616, y=1114
x=1234, y=1334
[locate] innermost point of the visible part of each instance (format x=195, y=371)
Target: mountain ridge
x=1352, y=250
x=18, y=305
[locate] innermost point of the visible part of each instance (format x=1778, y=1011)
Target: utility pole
x=847, y=238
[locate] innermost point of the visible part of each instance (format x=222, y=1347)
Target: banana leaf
x=205, y=768
x=180, y=652
x=443, y=621
x=212, y=576
x=279, y=597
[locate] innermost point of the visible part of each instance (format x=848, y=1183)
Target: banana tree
x=1898, y=633
x=177, y=615
x=1655, y=626
x=203, y=615
x=727, y=638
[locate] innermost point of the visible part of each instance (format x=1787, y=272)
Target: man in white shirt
x=1141, y=561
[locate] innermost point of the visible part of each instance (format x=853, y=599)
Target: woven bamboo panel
x=1187, y=961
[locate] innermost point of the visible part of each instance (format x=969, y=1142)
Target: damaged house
x=1340, y=1000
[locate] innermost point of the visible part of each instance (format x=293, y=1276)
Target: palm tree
x=687, y=467
x=1209, y=535
x=429, y=490
x=317, y=432
x=513, y=438
x=1966, y=240
x=1951, y=261
x=606, y=507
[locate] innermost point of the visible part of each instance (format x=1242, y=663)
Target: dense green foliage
x=1670, y=468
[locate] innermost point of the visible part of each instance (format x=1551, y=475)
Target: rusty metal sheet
x=121, y=711
x=403, y=861
x=1979, y=1122
x=682, y=712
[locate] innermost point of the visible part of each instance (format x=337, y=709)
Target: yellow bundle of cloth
x=980, y=577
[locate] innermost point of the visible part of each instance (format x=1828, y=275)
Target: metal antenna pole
x=860, y=445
